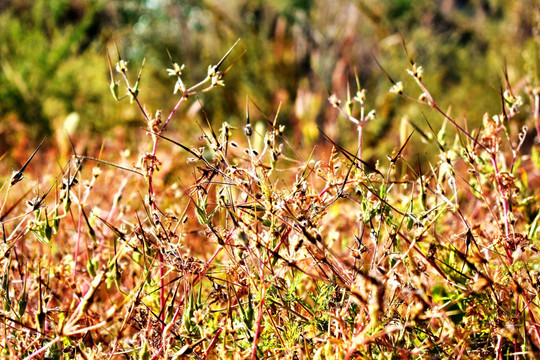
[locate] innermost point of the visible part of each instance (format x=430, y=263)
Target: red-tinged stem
x=263, y=294
x=44, y=348
x=277, y=331
x=166, y=329
x=285, y=235
x=476, y=142
x=150, y=174
x=175, y=109
x=212, y=343
x=162, y=289
x=259, y=320
x=154, y=152
x=213, y=257
x=537, y=115
x=155, y=218
x=203, y=271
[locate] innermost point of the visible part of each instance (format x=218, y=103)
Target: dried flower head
x=397, y=88
x=490, y=134
x=360, y=96
x=334, y=100
x=121, y=66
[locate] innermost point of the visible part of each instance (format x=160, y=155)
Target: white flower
x=397, y=88
x=176, y=70
x=121, y=66
x=334, y=101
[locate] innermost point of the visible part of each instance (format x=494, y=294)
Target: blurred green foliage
x=53, y=59
x=45, y=57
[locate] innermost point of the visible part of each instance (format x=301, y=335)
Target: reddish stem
x=537, y=115
x=259, y=320
x=212, y=343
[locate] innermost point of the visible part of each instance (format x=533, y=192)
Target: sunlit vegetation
x=301, y=180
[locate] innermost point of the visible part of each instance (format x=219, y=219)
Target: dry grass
x=240, y=245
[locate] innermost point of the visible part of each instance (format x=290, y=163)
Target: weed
x=262, y=254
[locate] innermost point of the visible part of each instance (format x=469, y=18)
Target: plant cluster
x=265, y=252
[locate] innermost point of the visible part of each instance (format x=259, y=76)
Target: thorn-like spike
x=170, y=56
x=248, y=130
x=406, y=50
x=358, y=87
x=110, y=67
x=247, y=111
x=117, y=51
x=18, y=175
x=394, y=159
x=276, y=116
x=226, y=55
x=384, y=71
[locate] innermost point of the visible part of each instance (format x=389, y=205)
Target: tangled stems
x=149, y=162
x=427, y=99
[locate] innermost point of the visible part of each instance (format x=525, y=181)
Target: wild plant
x=253, y=248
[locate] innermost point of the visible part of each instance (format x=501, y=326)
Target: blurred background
x=54, y=74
